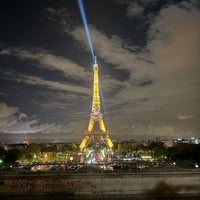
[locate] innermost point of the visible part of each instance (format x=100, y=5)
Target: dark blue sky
x=148, y=54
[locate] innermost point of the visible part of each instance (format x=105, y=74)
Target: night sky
x=148, y=53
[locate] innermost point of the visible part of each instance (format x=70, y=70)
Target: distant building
x=169, y=143
x=194, y=140
x=25, y=141
x=181, y=140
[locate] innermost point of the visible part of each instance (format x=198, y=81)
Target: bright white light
x=71, y=158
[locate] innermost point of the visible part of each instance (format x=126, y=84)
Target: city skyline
x=148, y=57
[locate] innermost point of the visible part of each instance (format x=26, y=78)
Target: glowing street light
x=71, y=158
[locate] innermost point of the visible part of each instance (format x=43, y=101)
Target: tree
x=34, y=148
x=184, y=151
x=2, y=154
x=159, y=152
x=12, y=155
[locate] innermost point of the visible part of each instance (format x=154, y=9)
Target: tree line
x=179, y=151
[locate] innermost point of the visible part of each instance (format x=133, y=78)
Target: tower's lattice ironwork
x=96, y=130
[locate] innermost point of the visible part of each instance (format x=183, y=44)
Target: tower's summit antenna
x=95, y=60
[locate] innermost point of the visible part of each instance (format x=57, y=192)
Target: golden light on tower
x=92, y=133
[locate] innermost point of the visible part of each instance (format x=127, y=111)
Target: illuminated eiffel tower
x=96, y=130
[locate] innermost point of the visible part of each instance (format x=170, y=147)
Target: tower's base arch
x=96, y=152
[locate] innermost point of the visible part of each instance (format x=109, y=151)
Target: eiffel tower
x=96, y=130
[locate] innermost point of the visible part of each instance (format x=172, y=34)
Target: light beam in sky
x=81, y=7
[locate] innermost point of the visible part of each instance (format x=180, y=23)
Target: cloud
x=169, y=63
x=6, y=112
x=175, y=33
x=112, y=51
x=32, y=80
x=13, y=121
x=162, y=81
x=152, y=130
x=39, y=81
x=183, y=117
x=134, y=10
x=149, y=2
x=49, y=61
x=62, y=16
x=138, y=131
x=173, y=46
x=10, y=119
x=173, y=49
x=23, y=116
x=107, y=48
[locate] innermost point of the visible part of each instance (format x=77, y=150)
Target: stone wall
x=101, y=185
